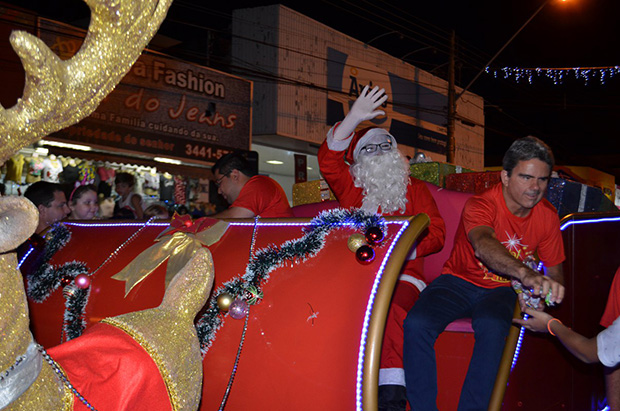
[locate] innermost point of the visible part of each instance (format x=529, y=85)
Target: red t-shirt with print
x=538, y=232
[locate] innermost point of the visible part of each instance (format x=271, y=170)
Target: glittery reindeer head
x=59, y=93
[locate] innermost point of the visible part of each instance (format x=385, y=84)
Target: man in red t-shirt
x=249, y=195
x=612, y=374
x=376, y=179
x=499, y=233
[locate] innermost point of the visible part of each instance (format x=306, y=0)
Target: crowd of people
x=500, y=233
x=81, y=202
x=247, y=193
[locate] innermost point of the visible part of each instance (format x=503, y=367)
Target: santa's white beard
x=384, y=179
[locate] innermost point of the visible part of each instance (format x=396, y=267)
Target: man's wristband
x=549, y=325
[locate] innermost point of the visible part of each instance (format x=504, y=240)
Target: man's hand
x=364, y=108
x=540, y=285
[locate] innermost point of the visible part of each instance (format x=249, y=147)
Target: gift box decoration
x=435, y=172
x=572, y=197
x=474, y=182
x=310, y=192
x=589, y=176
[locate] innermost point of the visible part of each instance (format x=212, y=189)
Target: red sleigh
x=313, y=341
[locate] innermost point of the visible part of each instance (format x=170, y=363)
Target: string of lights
x=556, y=75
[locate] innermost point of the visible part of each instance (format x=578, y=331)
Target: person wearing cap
x=373, y=175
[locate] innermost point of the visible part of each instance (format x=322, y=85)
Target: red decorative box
x=472, y=182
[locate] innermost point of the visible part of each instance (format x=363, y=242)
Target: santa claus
x=364, y=169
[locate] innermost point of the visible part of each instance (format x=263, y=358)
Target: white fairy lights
x=557, y=75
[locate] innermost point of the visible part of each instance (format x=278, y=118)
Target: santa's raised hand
x=364, y=108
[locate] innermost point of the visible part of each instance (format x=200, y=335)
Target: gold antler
x=60, y=93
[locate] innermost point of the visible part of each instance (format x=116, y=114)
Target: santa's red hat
x=361, y=139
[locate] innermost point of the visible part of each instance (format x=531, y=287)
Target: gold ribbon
x=178, y=248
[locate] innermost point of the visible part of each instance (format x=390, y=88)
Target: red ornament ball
x=365, y=254
x=66, y=280
x=374, y=235
x=82, y=281
x=188, y=223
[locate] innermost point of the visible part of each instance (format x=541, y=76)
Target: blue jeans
x=446, y=299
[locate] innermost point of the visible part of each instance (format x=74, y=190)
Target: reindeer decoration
x=59, y=93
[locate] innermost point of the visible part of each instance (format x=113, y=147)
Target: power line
x=409, y=19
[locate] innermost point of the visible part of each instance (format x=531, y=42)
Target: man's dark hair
x=233, y=161
x=527, y=148
x=42, y=192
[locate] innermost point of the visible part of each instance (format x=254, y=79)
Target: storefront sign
x=162, y=107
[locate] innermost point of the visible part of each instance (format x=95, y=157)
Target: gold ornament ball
x=224, y=300
x=356, y=241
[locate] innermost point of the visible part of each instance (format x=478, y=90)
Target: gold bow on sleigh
x=177, y=244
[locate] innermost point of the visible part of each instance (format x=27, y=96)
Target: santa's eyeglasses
x=371, y=148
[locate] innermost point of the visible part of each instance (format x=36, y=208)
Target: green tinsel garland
x=47, y=278
x=249, y=285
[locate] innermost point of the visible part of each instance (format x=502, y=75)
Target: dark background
x=578, y=120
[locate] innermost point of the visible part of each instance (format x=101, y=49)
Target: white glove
x=364, y=108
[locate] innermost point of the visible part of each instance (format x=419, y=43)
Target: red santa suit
x=411, y=281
